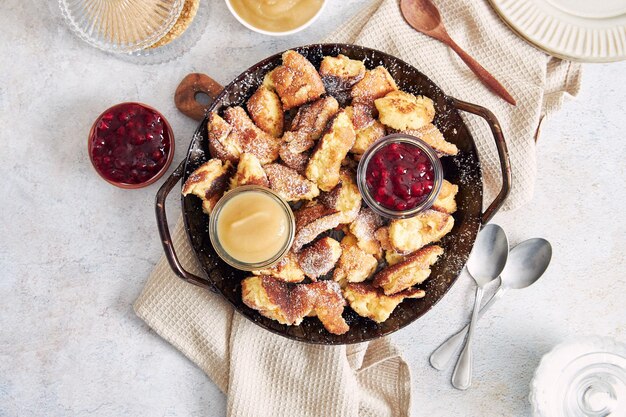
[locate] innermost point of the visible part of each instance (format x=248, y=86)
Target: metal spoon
x=424, y=17
x=485, y=263
x=526, y=264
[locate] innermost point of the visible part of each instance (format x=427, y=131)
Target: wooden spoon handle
x=185, y=96
x=484, y=75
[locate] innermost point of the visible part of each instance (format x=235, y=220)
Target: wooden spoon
x=424, y=17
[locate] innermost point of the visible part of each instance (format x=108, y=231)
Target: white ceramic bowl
x=267, y=32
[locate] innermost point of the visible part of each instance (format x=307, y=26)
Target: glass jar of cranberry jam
x=399, y=176
x=131, y=145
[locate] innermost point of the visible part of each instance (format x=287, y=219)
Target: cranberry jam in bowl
x=399, y=176
x=131, y=145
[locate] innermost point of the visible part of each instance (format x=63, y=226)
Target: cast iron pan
x=463, y=169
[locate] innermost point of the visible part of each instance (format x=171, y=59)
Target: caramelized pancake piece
x=366, y=137
x=328, y=305
x=364, y=227
x=275, y=299
x=363, y=114
x=249, y=137
x=312, y=220
x=221, y=144
x=331, y=149
x=345, y=197
x=290, y=303
x=289, y=184
x=287, y=269
x=249, y=172
x=433, y=137
x=414, y=269
x=320, y=257
x=209, y=182
x=355, y=265
x=446, y=199
x=401, y=111
x=341, y=71
x=310, y=123
x=391, y=256
x=408, y=235
x=295, y=161
x=368, y=301
x=375, y=84
x=266, y=111
x=296, y=81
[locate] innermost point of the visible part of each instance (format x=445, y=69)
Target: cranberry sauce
x=130, y=143
x=400, y=176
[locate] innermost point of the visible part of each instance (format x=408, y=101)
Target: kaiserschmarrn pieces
x=289, y=184
x=209, y=182
x=221, y=144
x=312, y=220
x=296, y=81
x=249, y=172
x=294, y=160
x=266, y=111
x=249, y=137
x=310, y=123
x=408, y=235
x=366, y=137
x=287, y=269
x=371, y=302
x=391, y=256
x=446, y=199
x=414, y=269
x=433, y=137
x=375, y=84
x=320, y=257
x=331, y=149
x=290, y=303
x=345, y=197
x=401, y=111
x=364, y=227
x=355, y=265
x=341, y=71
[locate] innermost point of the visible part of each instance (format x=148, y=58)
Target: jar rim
x=232, y=261
x=362, y=176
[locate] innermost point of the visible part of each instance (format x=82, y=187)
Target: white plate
x=580, y=30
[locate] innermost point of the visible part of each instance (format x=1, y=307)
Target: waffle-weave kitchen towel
x=266, y=375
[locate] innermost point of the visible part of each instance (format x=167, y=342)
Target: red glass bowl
x=134, y=140
x=381, y=145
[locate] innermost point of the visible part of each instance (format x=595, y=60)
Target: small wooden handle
x=485, y=76
x=185, y=96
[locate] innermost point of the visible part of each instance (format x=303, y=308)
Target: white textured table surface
x=75, y=251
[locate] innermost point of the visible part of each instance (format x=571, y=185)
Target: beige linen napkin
x=267, y=375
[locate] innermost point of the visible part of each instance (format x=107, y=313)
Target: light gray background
x=75, y=251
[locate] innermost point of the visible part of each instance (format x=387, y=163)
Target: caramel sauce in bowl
x=251, y=228
x=276, y=17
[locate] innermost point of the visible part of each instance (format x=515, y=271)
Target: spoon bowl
x=526, y=264
x=489, y=255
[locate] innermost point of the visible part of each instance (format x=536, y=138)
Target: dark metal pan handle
x=503, y=154
x=164, y=231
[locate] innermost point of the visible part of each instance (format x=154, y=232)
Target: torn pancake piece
x=371, y=302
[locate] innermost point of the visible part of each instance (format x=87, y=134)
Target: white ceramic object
x=267, y=32
x=582, y=378
x=579, y=30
